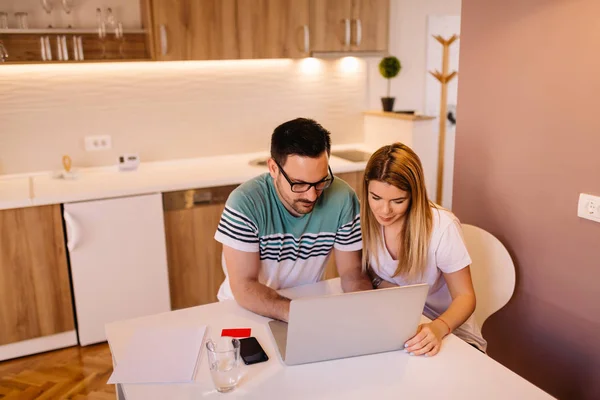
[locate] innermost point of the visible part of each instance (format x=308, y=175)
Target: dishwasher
x=118, y=261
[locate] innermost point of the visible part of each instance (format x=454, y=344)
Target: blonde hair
x=399, y=166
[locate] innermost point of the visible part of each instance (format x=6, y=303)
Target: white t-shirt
x=447, y=254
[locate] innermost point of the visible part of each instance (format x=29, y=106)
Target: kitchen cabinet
x=230, y=29
x=371, y=19
x=195, y=30
x=118, y=261
x=273, y=28
x=354, y=179
x=36, y=310
x=191, y=220
x=349, y=25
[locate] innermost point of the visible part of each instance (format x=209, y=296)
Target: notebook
x=160, y=355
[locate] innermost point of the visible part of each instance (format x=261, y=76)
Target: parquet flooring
x=75, y=373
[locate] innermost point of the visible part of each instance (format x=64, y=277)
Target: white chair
x=492, y=271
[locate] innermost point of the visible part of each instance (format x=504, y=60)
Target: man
x=279, y=228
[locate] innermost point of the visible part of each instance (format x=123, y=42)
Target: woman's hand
x=428, y=339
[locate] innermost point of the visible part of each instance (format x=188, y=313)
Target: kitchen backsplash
x=170, y=110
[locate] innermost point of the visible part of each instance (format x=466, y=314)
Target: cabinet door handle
x=73, y=229
x=164, y=41
x=348, y=33
x=306, y=39
x=358, y=31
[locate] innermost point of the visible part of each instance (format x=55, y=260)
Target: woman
x=407, y=239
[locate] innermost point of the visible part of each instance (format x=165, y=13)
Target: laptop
x=349, y=324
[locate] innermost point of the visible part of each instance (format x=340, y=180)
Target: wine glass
x=68, y=6
x=3, y=20
x=101, y=30
x=47, y=5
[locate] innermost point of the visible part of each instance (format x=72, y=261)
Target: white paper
x=160, y=355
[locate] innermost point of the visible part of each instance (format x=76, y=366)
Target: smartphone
x=251, y=351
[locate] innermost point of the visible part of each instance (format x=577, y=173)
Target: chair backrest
x=492, y=271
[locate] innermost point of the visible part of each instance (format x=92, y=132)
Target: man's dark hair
x=301, y=136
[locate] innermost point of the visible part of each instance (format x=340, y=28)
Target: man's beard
x=297, y=206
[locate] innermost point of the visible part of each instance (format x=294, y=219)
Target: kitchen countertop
x=15, y=192
x=38, y=189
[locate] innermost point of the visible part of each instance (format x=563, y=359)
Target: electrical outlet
x=97, y=143
x=589, y=207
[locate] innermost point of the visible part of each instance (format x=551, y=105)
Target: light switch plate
x=589, y=207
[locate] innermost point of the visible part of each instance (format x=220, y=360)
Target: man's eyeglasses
x=301, y=187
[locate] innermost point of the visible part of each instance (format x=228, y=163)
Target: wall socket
x=98, y=143
x=589, y=207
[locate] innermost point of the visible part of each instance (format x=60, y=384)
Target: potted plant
x=389, y=67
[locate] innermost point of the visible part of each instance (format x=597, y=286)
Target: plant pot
x=388, y=103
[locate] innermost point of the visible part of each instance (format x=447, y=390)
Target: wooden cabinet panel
x=35, y=291
x=214, y=34
x=273, y=28
x=194, y=256
x=330, y=25
x=195, y=30
x=170, y=29
x=370, y=30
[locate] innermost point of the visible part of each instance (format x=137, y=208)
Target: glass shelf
x=61, y=31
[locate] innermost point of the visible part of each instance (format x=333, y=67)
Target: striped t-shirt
x=293, y=250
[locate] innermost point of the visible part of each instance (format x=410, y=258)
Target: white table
x=458, y=372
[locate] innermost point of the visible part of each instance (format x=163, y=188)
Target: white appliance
x=118, y=261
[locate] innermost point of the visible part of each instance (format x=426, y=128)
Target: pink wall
x=527, y=143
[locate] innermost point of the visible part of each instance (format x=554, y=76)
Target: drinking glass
x=3, y=20
x=224, y=363
x=21, y=20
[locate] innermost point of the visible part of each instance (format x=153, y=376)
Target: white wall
x=169, y=110
x=408, y=42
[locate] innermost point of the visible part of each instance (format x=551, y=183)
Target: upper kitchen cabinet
x=230, y=29
x=273, y=28
x=331, y=25
x=349, y=25
x=371, y=19
x=195, y=30
x=35, y=292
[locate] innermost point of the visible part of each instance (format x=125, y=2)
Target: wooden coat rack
x=443, y=77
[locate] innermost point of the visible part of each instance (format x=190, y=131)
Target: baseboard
x=38, y=345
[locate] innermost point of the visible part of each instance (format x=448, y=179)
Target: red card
x=237, y=333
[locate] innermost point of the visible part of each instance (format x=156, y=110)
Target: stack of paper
x=160, y=355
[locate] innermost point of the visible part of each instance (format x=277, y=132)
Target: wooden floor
x=75, y=373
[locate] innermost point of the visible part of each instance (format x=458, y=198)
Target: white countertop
x=15, y=192
x=165, y=176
